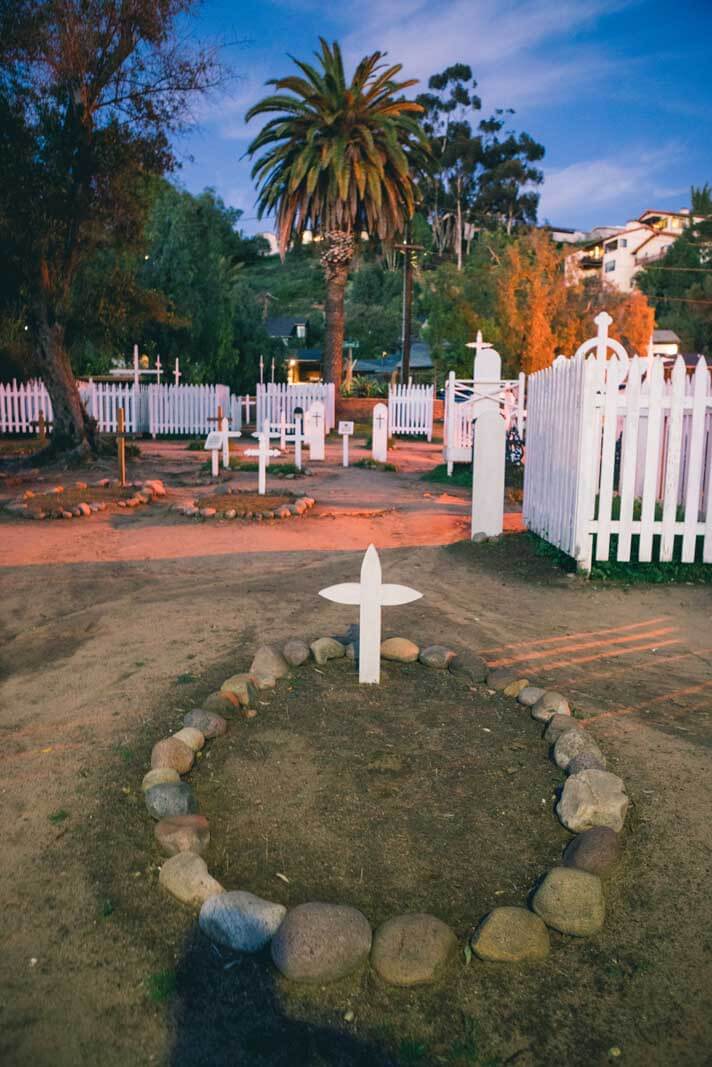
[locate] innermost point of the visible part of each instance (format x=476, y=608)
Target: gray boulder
x=597, y=851
x=326, y=648
x=170, y=798
x=436, y=656
x=469, y=667
x=549, y=704
x=321, y=942
x=593, y=798
x=267, y=666
x=241, y=921
x=501, y=678
x=209, y=723
x=558, y=725
x=296, y=652
x=529, y=695
x=185, y=876
x=574, y=743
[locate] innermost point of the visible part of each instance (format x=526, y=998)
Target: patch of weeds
x=194, y=446
x=107, y=908
x=140, y=663
x=161, y=986
x=466, y=1050
x=462, y=475
x=410, y=1052
x=58, y=816
x=124, y=752
x=185, y=679
x=374, y=465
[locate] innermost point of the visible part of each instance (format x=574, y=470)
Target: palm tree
x=337, y=163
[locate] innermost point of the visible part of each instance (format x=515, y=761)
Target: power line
x=697, y=270
x=679, y=299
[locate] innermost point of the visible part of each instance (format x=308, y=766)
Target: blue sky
x=618, y=91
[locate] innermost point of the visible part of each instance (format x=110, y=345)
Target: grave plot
x=245, y=504
x=82, y=500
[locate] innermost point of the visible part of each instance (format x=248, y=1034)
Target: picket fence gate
x=154, y=409
x=277, y=398
x=614, y=449
x=410, y=409
x=464, y=397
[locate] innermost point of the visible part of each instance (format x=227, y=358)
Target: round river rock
x=321, y=942
x=529, y=695
x=509, y=935
x=571, y=901
x=436, y=656
x=400, y=650
x=593, y=798
x=411, y=949
x=326, y=648
x=209, y=723
x=170, y=798
x=575, y=743
x=296, y=652
x=160, y=776
x=597, y=851
x=182, y=833
x=549, y=704
x=468, y=667
x=172, y=753
x=241, y=921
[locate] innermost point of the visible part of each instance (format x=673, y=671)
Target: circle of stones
x=546, y=706
x=144, y=493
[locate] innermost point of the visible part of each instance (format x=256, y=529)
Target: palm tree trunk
x=335, y=260
x=334, y=347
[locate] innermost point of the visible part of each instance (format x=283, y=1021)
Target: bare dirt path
x=103, y=622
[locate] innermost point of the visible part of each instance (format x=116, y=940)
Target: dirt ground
x=114, y=625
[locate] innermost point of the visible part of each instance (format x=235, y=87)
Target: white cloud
x=608, y=185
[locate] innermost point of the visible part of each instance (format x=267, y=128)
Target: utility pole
x=407, y=249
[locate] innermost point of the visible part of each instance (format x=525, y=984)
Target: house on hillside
x=620, y=255
x=421, y=364
x=666, y=343
x=291, y=330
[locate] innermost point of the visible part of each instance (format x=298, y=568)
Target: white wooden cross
x=158, y=370
x=345, y=429
x=379, y=433
x=248, y=402
x=218, y=441
x=371, y=594
x=263, y=452
x=177, y=375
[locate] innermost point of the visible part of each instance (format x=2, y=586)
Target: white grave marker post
x=213, y=445
x=379, y=434
x=298, y=430
x=488, y=443
x=177, y=374
x=371, y=594
x=314, y=430
x=263, y=452
x=345, y=429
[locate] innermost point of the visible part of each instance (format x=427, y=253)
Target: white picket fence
x=276, y=399
x=410, y=409
x=465, y=396
x=186, y=409
x=577, y=490
x=154, y=409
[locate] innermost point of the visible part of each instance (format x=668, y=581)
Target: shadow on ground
x=227, y=1011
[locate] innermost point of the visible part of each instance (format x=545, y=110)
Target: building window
x=623, y=242
x=611, y=246
x=301, y=330
x=610, y=265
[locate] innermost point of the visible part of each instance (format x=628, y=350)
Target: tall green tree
x=90, y=91
x=337, y=160
x=479, y=174
x=680, y=285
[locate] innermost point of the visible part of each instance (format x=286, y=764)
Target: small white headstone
x=379, y=436
x=314, y=429
x=371, y=595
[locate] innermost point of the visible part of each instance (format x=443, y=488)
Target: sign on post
x=214, y=445
x=379, y=436
x=371, y=594
x=345, y=429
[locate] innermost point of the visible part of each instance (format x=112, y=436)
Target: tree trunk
x=72, y=429
x=335, y=259
x=458, y=235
